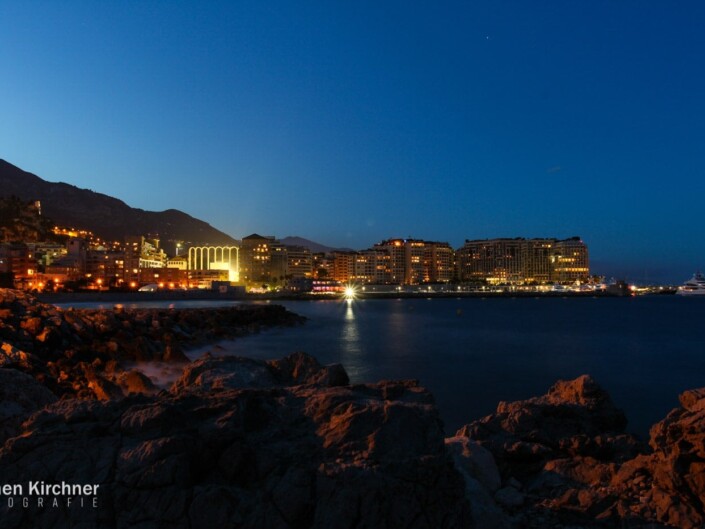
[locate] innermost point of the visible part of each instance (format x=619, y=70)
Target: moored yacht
x=695, y=286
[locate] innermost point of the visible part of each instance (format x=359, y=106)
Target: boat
x=695, y=286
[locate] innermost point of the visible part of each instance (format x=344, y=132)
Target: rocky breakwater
x=87, y=353
x=563, y=460
x=243, y=443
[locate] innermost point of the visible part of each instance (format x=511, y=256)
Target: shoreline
x=128, y=297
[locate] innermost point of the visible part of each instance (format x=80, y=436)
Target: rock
x=509, y=497
x=134, y=381
x=32, y=325
x=223, y=372
x=13, y=357
x=301, y=368
x=20, y=396
x=575, y=418
x=475, y=460
x=286, y=456
x=693, y=400
x=102, y=388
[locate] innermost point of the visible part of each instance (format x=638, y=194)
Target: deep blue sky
x=348, y=123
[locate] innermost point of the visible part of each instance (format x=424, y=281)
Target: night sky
x=348, y=123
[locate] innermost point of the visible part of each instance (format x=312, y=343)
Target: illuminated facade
x=569, y=261
x=141, y=253
x=213, y=258
x=415, y=261
x=256, y=258
x=299, y=262
x=438, y=262
x=523, y=261
x=343, y=266
x=371, y=266
x=16, y=259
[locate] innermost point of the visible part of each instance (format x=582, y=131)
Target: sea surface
x=473, y=352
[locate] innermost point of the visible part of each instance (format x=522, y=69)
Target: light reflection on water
x=350, y=346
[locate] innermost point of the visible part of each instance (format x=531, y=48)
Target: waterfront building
x=370, y=266
x=322, y=265
x=523, y=261
x=171, y=278
x=105, y=267
x=299, y=262
x=141, y=253
x=343, y=266
x=256, y=258
x=415, y=261
x=569, y=261
x=438, y=262
x=16, y=259
x=46, y=252
x=225, y=258
x=204, y=279
x=178, y=261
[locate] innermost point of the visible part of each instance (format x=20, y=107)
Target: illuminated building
x=522, y=261
x=141, y=253
x=211, y=258
x=180, y=262
x=322, y=266
x=414, y=261
x=255, y=258
x=204, y=279
x=438, y=262
x=106, y=265
x=569, y=261
x=343, y=266
x=264, y=260
x=169, y=278
x=299, y=262
x=370, y=266
x=47, y=252
x=16, y=259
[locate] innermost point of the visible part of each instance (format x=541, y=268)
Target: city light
x=350, y=292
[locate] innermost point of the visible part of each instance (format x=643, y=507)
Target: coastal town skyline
x=349, y=124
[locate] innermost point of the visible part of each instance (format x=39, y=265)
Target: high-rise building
x=414, y=261
x=256, y=258
x=569, y=261
x=343, y=266
x=439, y=262
x=523, y=261
x=299, y=262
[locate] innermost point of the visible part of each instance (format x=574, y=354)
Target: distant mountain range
x=107, y=217
x=311, y=245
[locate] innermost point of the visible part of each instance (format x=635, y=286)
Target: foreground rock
x=564, y=460
x=20, y=396
x=293, y=446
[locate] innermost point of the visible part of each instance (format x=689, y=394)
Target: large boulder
x=283, y=456
x=220, y=372
x=557, y=455
x=575, y=418
x=20, y=396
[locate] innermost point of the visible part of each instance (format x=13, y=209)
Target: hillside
x=105, y=216
x=314, y=247
x=21, y=221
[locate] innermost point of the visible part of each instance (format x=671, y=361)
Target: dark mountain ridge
x=107, y=217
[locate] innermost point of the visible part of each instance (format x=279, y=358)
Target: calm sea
x=472, y=353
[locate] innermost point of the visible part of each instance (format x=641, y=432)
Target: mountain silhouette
x=107, y=217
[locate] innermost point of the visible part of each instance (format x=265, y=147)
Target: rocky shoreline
x=236, y=442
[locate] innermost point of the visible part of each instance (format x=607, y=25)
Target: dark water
x=472, y=353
